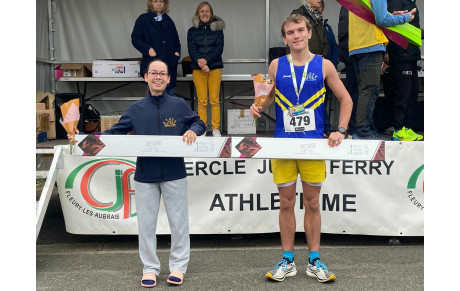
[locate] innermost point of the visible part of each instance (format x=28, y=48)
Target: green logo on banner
x=414, y=193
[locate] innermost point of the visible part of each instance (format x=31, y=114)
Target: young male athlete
x=299, y=93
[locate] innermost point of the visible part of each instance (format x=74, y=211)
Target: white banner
x=226, y=147
x=238, y=195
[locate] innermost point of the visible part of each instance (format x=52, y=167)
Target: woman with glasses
x=205, y=41
x=160, y=178
x=155, y=37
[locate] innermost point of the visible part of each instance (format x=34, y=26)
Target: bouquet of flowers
x=70, y=116
x=262, y=87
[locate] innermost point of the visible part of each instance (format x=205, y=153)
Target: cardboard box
x=75, y=70
x=239, y=121
x=45, y=97
x=108, y=120
x=114, y=68
x=51, y=133
x=42, y=121
x=51, y=121
x=40, y=106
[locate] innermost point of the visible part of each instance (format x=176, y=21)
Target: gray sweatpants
x=147, y=198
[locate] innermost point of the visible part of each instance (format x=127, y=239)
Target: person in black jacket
x=351, y=81
x=160, y=177
x=404, y=77
x=205, y=41
x=155, y=37
x=318, y=42
x=333, y=56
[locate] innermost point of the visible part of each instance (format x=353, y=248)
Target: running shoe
x=411, y=132
x=403, y=135
x=282, y=270
x=389, y=130
x=216, y=133
x=318, y=270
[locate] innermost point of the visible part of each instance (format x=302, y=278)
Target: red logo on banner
x=124, y=192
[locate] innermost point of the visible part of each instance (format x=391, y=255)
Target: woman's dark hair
x=157, y=60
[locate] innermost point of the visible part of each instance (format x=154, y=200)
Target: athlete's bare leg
x=312, y=218
x=287, y=216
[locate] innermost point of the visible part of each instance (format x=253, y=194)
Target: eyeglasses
x=155, y=74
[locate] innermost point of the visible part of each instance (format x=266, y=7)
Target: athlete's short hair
x=295, y=18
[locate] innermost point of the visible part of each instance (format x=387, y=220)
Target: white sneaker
x=216, y=133
x=317, y=269
x=282, y=270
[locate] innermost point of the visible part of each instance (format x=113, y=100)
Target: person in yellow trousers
x=205, y=41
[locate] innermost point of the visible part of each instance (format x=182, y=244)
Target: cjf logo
x=105, y=198
x=416, y=188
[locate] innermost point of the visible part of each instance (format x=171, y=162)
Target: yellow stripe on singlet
x=318, y=103
x=281, y=105
x=312, y=98
x=279, y=98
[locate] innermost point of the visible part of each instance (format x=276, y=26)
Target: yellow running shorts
x=311, y=171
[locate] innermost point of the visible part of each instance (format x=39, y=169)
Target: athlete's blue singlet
x=311, y=96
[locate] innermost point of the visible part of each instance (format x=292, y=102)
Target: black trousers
x=352, y=88
x=367, y=69
x=404, y=92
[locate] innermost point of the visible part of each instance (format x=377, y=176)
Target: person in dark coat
x=155, y=37
x=205, y=41
x=404, y=85
x=318, y=42
x=333, y=56
x=367, y=45
x=351, y=81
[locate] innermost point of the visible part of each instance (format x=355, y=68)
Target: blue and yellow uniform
x=312, y=98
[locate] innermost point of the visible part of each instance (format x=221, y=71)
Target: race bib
x=296, y=110
x=299, y=123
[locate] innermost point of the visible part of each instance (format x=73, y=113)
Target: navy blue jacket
x=162, y=37
x=206, y=40
x=333, y=54
x=148, y=117
x=344, y=55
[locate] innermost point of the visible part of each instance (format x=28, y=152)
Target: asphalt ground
x=222, y=262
